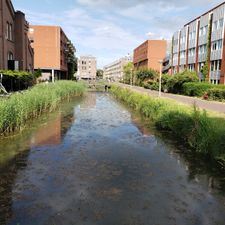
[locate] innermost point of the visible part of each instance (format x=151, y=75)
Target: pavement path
x=204, y=104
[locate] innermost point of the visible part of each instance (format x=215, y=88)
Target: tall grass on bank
x=202, y=132
x=19, y=108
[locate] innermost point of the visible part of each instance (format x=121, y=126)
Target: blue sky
x=110, y=29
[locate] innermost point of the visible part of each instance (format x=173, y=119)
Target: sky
x=110, y=29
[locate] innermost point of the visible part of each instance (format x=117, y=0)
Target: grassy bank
x=202, y=132
x=19, y=108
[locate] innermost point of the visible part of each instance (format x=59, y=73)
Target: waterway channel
x=95, y=162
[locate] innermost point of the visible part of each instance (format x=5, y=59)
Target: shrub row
x=202, y=133
x=19, y=108
x=214, y=92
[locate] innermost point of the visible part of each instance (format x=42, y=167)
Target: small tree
x=128, y=70
x=146, y=75
x=99, y=73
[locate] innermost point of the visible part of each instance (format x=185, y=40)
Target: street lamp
x=160, y=77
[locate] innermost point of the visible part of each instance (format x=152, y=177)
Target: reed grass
x=202, y=132
x=19, y=108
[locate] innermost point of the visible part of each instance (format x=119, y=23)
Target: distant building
x=15, y=49
x=51, y=47
x=87, y=68
x=148, y=54
x=198, y=38
x=114, y=71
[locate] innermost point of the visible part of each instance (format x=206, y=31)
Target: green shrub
x=217, y=94
x=196, y=88
x=151, y=84
x=146, y=74
x=176, y=82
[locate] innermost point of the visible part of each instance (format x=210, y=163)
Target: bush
x=146, y=74
x=196, y=89
x=151, y=84
x=217, y=94
x=200, y=89
x=16, y=80
x=176, y=82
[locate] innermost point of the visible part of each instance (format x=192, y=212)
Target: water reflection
x=89, y=163
x=48, y=130
x=48, y=134
x=8, y=174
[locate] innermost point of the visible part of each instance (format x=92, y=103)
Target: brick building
x=51, y=48
x=148, y=54
x=198, y=38
x=15, y=49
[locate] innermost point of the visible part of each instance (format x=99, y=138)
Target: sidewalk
x=207, y=105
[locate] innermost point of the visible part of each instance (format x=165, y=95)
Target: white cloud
x=111, y=28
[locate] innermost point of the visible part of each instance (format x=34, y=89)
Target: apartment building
x=51, y=51
x=149, y=53
x=114, y=70
x=87, y=68
x=15, y=49
x=202, y=37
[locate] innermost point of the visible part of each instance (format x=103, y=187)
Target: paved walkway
x=207, y=105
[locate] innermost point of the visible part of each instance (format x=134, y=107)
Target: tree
x=148, y=74
x=71, y=60
x=128, y=70
x=99, y=73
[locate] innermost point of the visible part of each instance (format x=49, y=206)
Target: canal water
x=96, y=162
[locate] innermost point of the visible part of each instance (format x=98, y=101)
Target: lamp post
x=160, y=77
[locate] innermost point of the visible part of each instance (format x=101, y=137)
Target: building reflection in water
x=88, y=103
x=139, y=123
x=48, y=134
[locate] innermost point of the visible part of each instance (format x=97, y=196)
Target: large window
x=9, y=31
x=216, y=65
x=202, y=49
x=182, y=54
x=218, y=24
x=191, y=67
x=217, y=45
x=203, y=30
x=191, y=52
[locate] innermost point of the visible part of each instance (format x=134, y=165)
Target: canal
x=94, y=161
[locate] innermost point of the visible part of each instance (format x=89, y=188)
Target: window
x=216, y=65
x=7, y=30
x=10, y=56
x=175, y=56
x=202, y=49
x=200, y=65
x=182, y=54
x=220, y=23
x=10, y=32
x=191, y=67
x=214, y=27
x=217, y=45
x=201, y=31
x=191, y=52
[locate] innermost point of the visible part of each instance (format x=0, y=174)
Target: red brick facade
x=14, y=42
